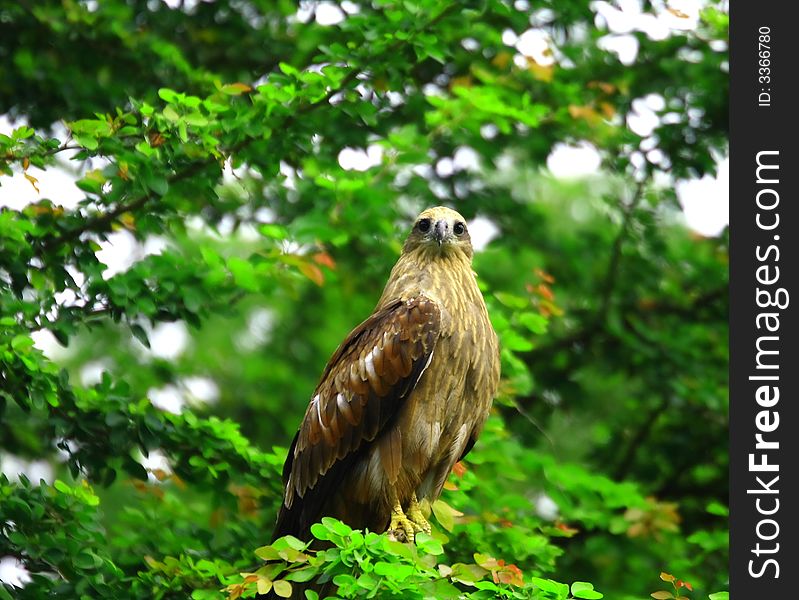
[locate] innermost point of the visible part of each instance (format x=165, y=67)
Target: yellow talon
x=401, y=528
x=417, y=517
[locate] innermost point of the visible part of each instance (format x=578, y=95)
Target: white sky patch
x=290, y=181
x=535, y=44
x=643, y=120
x=328, y=13
x=13, y=466
x=625, y=47
x=13, y=572
x=509, y=37
x=489, y=131
x=470, y=44
x=201, y=389
x=655, y=102
x=682, y=14
x=466, y=159
x=567, y=161
x=92, y=372
x=445, y=167
x=45, y=341
x=350, y=7
x=626, y=16
x=654, y=27
x=168, y=340
x=358, y=159
x=155, y=244
x=188, y=5
x=482, y=230
x=55, y=184
x=155, y=459
x=167, y=398
x=706, y=201
x=117, y=253
x=546, y=508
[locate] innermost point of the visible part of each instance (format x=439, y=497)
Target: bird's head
x=439, y=230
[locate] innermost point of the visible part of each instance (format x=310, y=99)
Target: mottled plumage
x=405, y=395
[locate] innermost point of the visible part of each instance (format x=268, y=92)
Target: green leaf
x=267, y=553
x=282, y=588
x=719, y=596
x=395, y=571
x=62, y=487
x=243, y=273
x=548, y=585
x=585, y=590
x=171, y=114
x=320, y=532
x=427, y=544
x=445, y=514
x=717, y=508
x=336, y=526
x=302, y=575
x=92, y=182
x=155, y=181
x=274, y=231
x=168, y=95
x=140, y=334
x=22, y=343
x=534, y=322
x=511, y=300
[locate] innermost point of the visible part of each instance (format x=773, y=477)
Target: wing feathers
x=362, y=388
x=391, y=453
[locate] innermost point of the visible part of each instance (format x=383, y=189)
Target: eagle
x=402, y=399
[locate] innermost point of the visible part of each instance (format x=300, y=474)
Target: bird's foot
x=401, y=528
x=417, y=517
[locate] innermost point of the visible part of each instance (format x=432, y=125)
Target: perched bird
x=403, y=398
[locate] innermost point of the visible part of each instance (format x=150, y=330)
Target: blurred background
x=585, y=143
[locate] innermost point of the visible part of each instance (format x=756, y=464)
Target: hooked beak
x=440, y=231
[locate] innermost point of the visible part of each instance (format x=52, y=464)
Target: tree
x=264, y=162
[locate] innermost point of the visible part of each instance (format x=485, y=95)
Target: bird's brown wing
x=363, y=386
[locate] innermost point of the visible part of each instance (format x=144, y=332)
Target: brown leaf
x=603, y=86
x=543, y=73
x=464, y=81
x=588, y=113
x=678, y=13
x=33, y=181
x=312, y=272
x=511, y=574
x=156, y=139
x=502, y=59
x=325, y=260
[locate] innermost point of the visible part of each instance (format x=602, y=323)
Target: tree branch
x=101, y=222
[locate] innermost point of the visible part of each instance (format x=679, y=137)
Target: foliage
x=213, y=138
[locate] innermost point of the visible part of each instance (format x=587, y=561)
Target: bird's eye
x=423, y=225
x=459, y=228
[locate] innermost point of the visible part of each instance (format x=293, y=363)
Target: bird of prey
x=403, y=398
